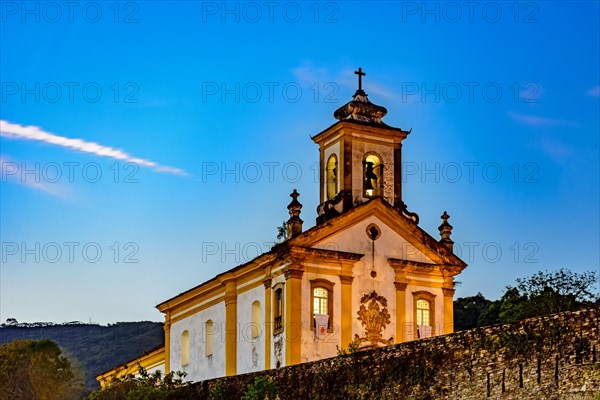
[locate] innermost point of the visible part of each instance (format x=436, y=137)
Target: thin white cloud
x=16, y=131
x=308, y=74
x=12, y=171
x=534, y=120
x=593, y=91
x=370, y=85
x=556, y=149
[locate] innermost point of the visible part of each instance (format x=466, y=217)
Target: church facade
x=365, y=275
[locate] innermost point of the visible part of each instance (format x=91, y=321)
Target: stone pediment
x=410, y=242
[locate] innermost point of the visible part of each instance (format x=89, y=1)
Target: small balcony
x=278, y=325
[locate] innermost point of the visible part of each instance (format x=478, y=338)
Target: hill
x=96, y=347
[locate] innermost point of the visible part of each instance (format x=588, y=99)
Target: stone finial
x=294, y=224
x=360, y=108
x=445, y=231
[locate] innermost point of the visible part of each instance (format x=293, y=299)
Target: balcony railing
x=278, y=325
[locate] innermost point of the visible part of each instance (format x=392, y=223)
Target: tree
x=37, y=370
x=540, y=294
x=144, y=386
x=282, y=231
x=468, y=310
x=547, y=293
x=490, y=315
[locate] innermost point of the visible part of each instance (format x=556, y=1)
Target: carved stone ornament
x=374, y=317
x=278, y=347
x=254, y=356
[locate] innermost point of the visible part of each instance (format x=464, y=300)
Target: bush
x=142, y=386
x=261, y=389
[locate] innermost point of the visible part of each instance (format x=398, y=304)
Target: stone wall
x=553, y=357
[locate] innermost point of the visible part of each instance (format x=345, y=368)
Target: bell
x=370, y=176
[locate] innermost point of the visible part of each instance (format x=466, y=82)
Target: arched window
x=256, y=319
x=423, y=308
x=424, y=314
x=372, y=176
x=322, y=301
x=331, y=172
x=278, y=309
x=208, y=338
x=185, y=348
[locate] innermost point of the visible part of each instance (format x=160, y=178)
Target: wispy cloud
x=16, y=131
x=11, y=171
x=534, y=120
x=557, y=150
x=309, y=74
x=593, y=91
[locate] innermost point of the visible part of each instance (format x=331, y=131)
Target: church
x=366, y=275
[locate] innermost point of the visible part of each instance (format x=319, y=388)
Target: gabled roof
x=378, y=207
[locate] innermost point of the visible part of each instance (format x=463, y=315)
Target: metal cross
x=360, y=75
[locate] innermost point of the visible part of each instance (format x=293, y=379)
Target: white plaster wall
x=250, y=351
x=313, y=348
x=388, y=245
x=200, y=367
x=386, y=152
x=332, y=149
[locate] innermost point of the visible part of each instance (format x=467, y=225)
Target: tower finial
x=360, y=74
x=294, y=224
x=445, y=231
x=360, y=108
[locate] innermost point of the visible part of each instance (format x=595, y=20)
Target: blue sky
x=147, y=146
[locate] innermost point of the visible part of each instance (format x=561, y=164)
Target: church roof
x=131, y=362
x=381, y=208
x=393, y=130
x=415, y=235
x=360, y=108
x=361, y=111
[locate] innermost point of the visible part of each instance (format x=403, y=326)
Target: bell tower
x=360, y=158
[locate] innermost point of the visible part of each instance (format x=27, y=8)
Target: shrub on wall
x=261, y=389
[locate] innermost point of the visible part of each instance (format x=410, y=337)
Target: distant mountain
x=98, y=348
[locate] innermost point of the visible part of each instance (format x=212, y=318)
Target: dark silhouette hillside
x=96, y=347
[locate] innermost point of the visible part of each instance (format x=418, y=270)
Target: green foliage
x=261, y=389
x=540, y=294
x=98, y=348
x=490, y=315
x=37, y=369
x=142, y=386
x=547, y=293
x=467, y=311
x=217, y=392
x=282, y=231
x=352, y=348
x=513, y=344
